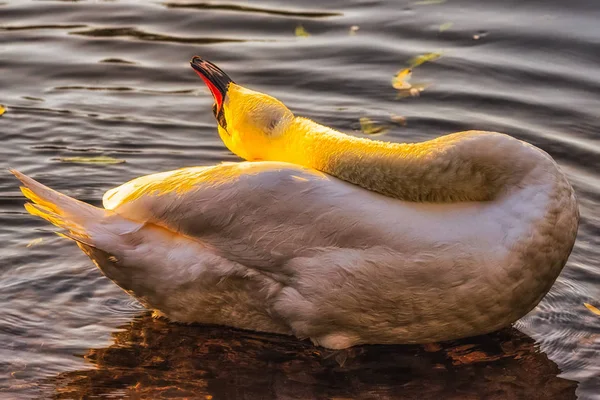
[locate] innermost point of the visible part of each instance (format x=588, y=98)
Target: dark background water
x=89, y=78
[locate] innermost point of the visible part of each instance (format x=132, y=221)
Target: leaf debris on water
x=34, y=242
x=368, y=127
x=400, y=80
x=2, y=109
x=592, y=308
x=480, y=35
x=398, y=119
x=423, y=58
x=301, y=32
x=92, y=160
x=353, y=30
x=414, y=91
x=445, y=26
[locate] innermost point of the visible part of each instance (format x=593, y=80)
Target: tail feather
x=60, y=210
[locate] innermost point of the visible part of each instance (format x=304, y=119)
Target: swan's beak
x=216, y=80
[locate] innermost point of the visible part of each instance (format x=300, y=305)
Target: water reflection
x=152, y=358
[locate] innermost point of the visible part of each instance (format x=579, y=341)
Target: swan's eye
x=272, y=124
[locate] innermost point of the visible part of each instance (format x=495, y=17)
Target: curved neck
x=465, y=166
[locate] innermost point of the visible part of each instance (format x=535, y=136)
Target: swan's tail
x=62, y=211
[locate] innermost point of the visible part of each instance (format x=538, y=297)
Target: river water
x=111, y=78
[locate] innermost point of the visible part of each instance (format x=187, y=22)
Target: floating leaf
x=301, y=32
x=368, y=127
x=445, y=26
x=2, y=109
x=414, y=91
x=353, y=29
x=592, y=308
x=398, y=119
x=92, y=160
x=428, y=2
x=34, y=242
x=400, y=80
x=423, y=58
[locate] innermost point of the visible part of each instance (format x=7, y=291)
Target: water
x=90, y=78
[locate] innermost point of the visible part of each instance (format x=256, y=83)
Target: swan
x=341, y=240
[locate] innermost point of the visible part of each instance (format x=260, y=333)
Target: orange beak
x=216, y=80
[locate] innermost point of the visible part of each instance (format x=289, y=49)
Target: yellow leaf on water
x=368, y=127
x=301, y=32
x=445, y=26
x=92, y=160
x=400, y=80
x=423, y=58
x=2, y=109
x=34, y=242
x=592, y=308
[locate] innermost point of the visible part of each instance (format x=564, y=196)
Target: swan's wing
x=151, y=198
x=252, y=211
x=183, y=199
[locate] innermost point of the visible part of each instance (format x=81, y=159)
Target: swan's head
x=251, y=124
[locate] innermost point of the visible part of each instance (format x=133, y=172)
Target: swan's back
x=296, y=207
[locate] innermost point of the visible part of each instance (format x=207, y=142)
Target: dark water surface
x=111, y=78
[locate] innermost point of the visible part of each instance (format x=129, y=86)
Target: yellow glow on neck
x=464, y=166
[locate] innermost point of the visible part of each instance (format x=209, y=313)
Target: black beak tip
x=211, y=72
x=195, y=61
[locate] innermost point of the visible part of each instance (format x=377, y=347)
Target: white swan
x=277, y=247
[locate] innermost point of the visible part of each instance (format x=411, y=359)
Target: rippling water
x=111, y=78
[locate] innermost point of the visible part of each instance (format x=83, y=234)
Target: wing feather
x=197, y=201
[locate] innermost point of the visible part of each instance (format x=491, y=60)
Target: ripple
x=106, y=118
x=96, y=88
x=126, y=89
x=116, y=61
x=128, y=306
x=38, y=27
x=32, y=98
x=258, y=10
x=153, y=37
x=83, y=150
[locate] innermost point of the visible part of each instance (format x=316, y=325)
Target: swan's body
x=469, y=233
x=279, y=248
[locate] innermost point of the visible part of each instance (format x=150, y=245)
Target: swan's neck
x=466, y=166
